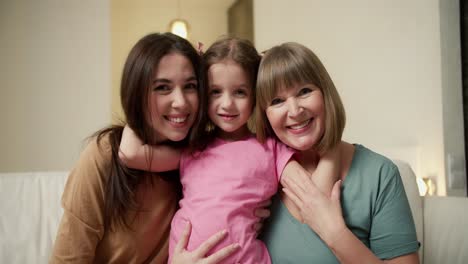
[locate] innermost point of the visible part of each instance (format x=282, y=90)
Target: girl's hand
x=318, y=211
x=262, y=212
x=181, y=255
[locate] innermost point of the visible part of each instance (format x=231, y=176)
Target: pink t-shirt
x=222, y=186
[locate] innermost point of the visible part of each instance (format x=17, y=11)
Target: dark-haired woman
x=116, y=215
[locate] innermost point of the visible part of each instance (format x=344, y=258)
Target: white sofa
x=30, y=213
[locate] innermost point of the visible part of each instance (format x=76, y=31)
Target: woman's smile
x=178, y=121
x=302, y=127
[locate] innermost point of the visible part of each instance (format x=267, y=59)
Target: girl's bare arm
x=156, y=158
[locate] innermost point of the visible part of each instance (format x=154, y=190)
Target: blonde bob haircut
x=288, y=65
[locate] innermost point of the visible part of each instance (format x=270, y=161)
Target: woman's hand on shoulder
x=319, y=211
x=198, y=256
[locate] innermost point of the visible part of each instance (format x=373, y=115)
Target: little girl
x=229, y=173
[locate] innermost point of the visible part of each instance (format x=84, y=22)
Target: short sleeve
x=393, y=232
x=282, y=154
x=81, y=227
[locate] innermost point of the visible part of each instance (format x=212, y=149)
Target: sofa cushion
x=31, y=211
x=446, y=230
x=415, y=201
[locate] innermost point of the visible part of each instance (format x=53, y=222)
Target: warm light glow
x=426, y=186
x=421, y=186
x=431, y=187
x=179, y=27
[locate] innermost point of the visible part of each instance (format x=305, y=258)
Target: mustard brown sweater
x=82, y=238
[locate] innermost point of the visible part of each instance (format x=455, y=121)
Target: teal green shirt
x=375, y=209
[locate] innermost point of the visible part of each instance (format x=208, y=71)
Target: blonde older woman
x=299, y=104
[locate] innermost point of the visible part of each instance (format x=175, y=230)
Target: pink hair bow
x=200, y=48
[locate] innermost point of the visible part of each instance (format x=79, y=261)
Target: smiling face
x=297, y=116
x=173, y=98
x=230, y=99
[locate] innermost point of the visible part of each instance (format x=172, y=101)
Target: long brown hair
x=242, y=52
x=138, y=71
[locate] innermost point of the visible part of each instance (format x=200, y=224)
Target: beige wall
x=61, y=67
x=395, y=64
x=131, y=20
x=385, y=58
x=54, y=80
x=240, y=19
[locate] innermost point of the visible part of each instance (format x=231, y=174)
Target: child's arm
x=324, y=176
x=136, y=155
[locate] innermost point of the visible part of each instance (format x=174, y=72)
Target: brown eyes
x=302, y=92
x=168, y=88
x=192, y=86
x=161, y=88
x=236, y=93
x=276, y=101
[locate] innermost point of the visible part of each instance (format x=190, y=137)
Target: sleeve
x=82, y=224
x=282, y=154
x=393, y=232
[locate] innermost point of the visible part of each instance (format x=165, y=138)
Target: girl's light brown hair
x=240, y=51
x=291, y=64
